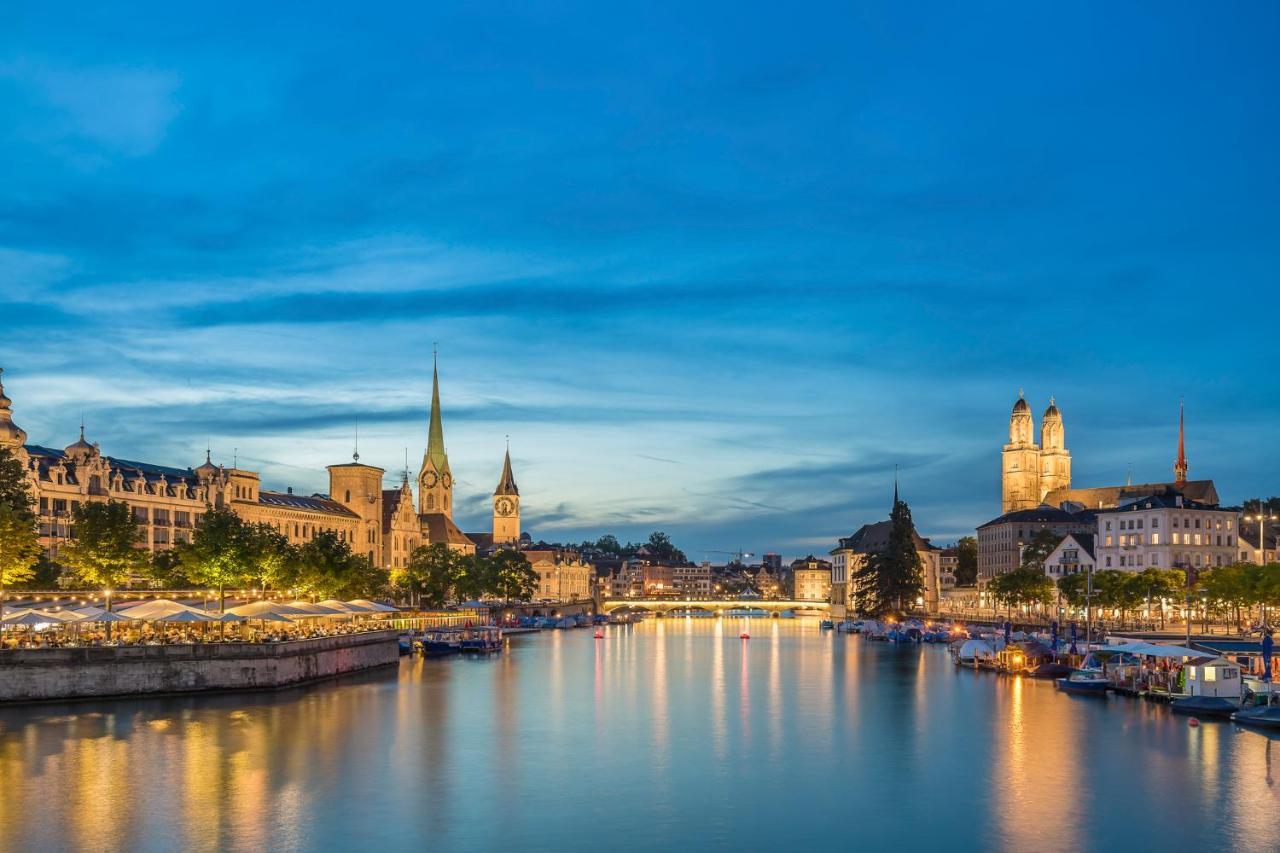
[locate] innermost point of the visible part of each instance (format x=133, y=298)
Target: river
x=672, y=733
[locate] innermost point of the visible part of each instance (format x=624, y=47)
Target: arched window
x=348, y=500
x=431, y=501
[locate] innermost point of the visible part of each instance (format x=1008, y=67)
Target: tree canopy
x=891, y=579
x=104, y=549
x=966, y=561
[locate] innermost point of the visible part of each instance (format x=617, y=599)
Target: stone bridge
x=717, y=606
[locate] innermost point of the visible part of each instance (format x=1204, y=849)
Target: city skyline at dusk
x=714, y=279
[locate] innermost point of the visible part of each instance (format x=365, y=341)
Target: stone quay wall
x=32, y=675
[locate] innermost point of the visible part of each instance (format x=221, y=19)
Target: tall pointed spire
x=435, y=436
x=1180, y=464
x=507, y=483
x=895, y=486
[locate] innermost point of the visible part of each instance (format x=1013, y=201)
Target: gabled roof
x=1044, y=514
x=874, y=537
x=1202, y=491
x=440, y=528
x=1084, y=541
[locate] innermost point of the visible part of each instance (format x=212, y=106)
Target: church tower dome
x=11, y=435
x=81, y=450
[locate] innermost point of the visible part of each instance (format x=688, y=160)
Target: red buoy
x=744, y=636
x=1193, y=722
x=599, y=635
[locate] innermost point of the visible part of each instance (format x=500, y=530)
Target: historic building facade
x=811, y=579
x=168, y=503
x=1029, y=471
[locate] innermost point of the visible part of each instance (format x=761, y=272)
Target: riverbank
x=40, y=675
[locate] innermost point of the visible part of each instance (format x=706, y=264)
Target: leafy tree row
x=659, y=545
x=437, y=575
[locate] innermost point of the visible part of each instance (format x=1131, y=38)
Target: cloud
x=122, y=110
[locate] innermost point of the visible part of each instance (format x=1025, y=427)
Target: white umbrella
x=341, y=606
x=107, y=616
x=375, y=606
x=31, y=617
x=192, y=615
x=161, y=609
x=253, y=609
x=315, y=609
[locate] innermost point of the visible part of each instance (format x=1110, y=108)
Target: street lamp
x=1262, y=518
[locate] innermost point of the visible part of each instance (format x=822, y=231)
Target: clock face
x=429, y=479
x=504, y=506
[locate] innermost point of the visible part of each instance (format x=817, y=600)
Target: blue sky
x=715, y=268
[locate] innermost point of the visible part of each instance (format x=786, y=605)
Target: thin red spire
x=1180, y=465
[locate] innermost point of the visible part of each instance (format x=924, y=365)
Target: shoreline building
x=851, y=552
x=810, y=579
x=1065, y=510
x=168, y=503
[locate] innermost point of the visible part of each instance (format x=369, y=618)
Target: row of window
x=1179, y=559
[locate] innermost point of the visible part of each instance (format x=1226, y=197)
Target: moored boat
x=1205, y=706
x=1087, y=681
x=1267, y=716
x=487, y=638
x=440, y=643
x=826, y=625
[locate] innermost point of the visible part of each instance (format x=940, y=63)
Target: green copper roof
x=435, y=437
x=507, y=483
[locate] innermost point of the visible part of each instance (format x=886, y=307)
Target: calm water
x=672, y=733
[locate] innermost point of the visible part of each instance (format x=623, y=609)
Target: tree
x=1073, y=588
x=329, y=569
x=1039, y=548
x=1118, y=590
x=1023, y=585
x=219, y=553
x=13, y=484
x=273, y=561
x=1159, y=584
x=660, y=547
x=165, y=570
x=890, y=580
x=967, y=561
x=433, y=572
x=103, y=552
x=475, y=577
x=20, y=549
x=514, y=579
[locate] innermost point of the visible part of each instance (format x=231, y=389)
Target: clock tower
x=506, y=506
x=435, y=480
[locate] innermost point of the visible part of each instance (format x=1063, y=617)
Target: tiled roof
x=314, y=503
x=874, y=537
x=440, y=528
x=1042, y=514
x=1202, y=491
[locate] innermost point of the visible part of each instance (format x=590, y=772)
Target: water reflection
x=565, y=743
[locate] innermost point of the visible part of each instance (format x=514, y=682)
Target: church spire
x=435, y=436
x=506, y=483
x=895, y=486
x=1180, y=464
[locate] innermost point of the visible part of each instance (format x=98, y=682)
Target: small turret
x=11, y=435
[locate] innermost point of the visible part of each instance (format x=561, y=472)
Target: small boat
x=826, y=625
x=1205, y=706
x=1267, y=716
x=1089, y=681
x=484, y=639
x=437, y=644
x=1051, y=670
x=406, y=643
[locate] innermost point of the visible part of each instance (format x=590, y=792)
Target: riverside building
x=169, y=502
